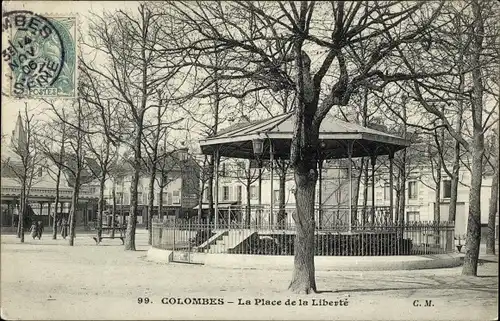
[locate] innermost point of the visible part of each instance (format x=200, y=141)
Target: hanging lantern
x=258, y=146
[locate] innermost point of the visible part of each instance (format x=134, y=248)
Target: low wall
x=336, y=263
x=158, y=255
x=322, y=263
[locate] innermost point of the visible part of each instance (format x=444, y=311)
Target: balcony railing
x=326, y=217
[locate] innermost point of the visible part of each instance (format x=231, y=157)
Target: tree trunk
x=151, y=194
x=100, y=205
x=303, y=280
x=160, y=202
x=202, y=190
x=439, y=168
x=474, y=220
x=437, y=197
x=18, y=232
x=22, y=212
x=58, y=181
x=454, y=188
x=113, y=210
x=132, y=216
x=282, y=187
x=456, y=150
x=304, y=161
x=56, y=205
x=122, y=212
x=74, y=208
x=493, y=210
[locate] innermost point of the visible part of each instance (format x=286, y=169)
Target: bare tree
x=246, y=174
x=74, y=161
x=151, y=144
x=478, y=20
x=117, y=173
x=493, y=206
x=27, y=163
x=105, y=123
x=203, y=170
x=250, y=32
x=58, y=138
x=131, y=44
x=169, y=170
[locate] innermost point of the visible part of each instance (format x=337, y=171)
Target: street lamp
x=183, y=154
x=258, y=147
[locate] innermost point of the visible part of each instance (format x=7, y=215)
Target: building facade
x=420, y=194
x=41, y=201
x=180, y=192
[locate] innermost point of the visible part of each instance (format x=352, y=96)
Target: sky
x=80, y=9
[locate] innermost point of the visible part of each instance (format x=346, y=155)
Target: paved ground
x=49, y=280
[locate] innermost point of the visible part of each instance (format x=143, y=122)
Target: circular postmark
x=34, y=53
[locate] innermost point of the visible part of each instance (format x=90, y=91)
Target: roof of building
x=237, y=142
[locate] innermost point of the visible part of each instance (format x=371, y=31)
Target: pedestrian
x=34, y=229
x=64, y=228
x=40, y=229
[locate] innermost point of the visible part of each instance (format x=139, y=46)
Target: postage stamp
x=39, y=57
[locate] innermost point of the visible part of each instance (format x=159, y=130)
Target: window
x=238, y=193
x=167, y=198
x=119, y=198
x=240, y=171
x=413, y=216
x=205, y=194
x=139, y=198
x=369, y=193
x=387, y=192
x=276, y=196
x=145, y=198
x=225, y=193
x=253, y=192
x=412, y=190
x=176, y=197
x=446, y=189
x=40, y=172
x=126, y=199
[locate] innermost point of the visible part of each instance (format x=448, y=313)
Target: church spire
x=18, y=141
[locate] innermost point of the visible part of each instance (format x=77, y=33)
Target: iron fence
x=371, y=239
x=326, y=216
